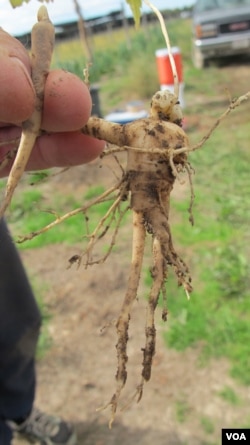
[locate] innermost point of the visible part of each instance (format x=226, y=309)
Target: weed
x=232, y=272
x=229, y=395
x=207, y=424
x=182, y=410
x=44, y=340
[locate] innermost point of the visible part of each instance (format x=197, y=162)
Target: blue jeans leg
x=20, y=322
x=5, y=434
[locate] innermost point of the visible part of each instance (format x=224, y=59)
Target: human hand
x=67, y=107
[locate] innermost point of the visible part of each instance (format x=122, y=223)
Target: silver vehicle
x=220, y=28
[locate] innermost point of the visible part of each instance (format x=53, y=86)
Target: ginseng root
x=149, y=179
x=42, y=43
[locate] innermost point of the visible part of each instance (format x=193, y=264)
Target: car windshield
x=207, y=5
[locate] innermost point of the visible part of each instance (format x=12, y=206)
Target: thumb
x=17, y=93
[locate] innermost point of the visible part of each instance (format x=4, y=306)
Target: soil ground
x=181, y=403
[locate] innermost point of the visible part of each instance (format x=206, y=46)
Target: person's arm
x=67, y=107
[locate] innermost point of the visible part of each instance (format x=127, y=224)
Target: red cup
x=164, y=67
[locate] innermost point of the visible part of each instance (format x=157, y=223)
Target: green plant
x=207, y=424
x=229, y=395
x=182, y=410
x=232, y=272
x=44, y=340
x=25, y=203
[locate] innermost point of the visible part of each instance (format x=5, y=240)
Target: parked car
x=220, y=28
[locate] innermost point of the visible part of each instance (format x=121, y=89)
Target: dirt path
x=77, y=374
x=180, y=405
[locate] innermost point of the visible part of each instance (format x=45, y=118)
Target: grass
x=44, y=340
x=182, y=410
x=207, y=425
x=229, y=395
x=31, y=211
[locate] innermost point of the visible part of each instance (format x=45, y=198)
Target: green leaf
x=15, y=3
x=135, y=6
